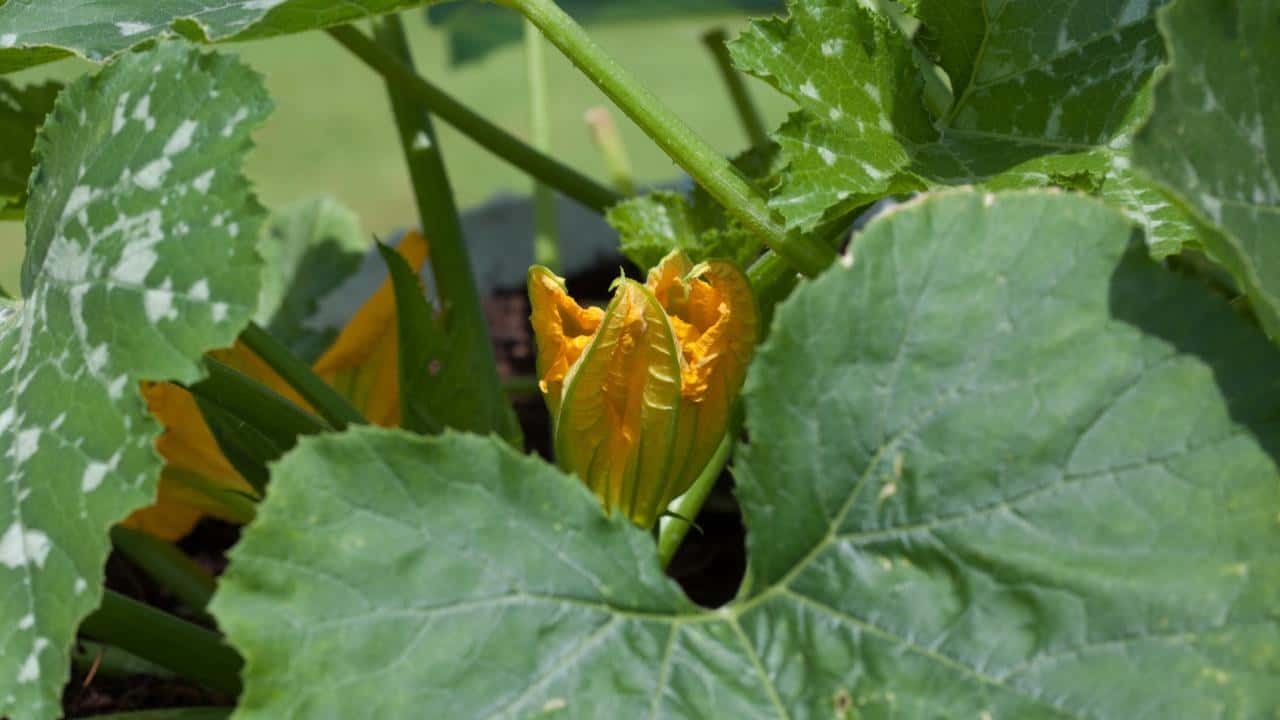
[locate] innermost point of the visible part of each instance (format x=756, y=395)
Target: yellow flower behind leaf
x=198, y=480
x=640, y=394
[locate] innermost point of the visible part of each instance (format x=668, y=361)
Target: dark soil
x=709, y=565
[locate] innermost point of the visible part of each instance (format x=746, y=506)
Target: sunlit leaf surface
x=1001, y=466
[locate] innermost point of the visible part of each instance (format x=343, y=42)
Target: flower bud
x=640, y=394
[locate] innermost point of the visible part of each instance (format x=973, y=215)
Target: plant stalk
x=707, y=167
x=489, y=136
x=674, y=527
x=450, y=262
x=185, y=648
x=546, y=243
x=604, y=132
x=110, y=661
x=332, y=407
x=168, y=566
x=748, y=113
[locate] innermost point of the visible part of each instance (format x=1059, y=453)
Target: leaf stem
x=707, y=167
x=168, y=566
x=489, y=136
x=331, y=406
x=748, y=113
x=450, y=261
x=674, y=527
x=185, y=648
x=546, y=244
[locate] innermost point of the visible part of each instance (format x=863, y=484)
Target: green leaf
x=22, y=112
x=38, y=31
x=1002, y=465
x=1214, y=137
x=652, y=225
x=312, y=248
x=141, y=235
x=1041, y=98
x=437, y=387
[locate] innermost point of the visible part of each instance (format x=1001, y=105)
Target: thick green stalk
x=707, y=167
x=546, y=243
x=185, y=648
x=168, y=566
x=748, y=113
x=674, y=527
x=489, y=136
x=450, y=262
x=332, y=407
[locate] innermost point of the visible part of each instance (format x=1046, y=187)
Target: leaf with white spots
x=22, y=112
x=132, y=272
x=1214, y=136
x=37, y=31
x=1001, y=466
x=1041, y=94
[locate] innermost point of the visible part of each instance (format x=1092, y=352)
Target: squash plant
x=1008, y=452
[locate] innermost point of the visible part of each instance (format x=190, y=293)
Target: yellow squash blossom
x=640, y=393
x=197, y=480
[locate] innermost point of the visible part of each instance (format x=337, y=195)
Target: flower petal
x=616, y=424
x=562, y=329
x=713, y=313
x=190, y=451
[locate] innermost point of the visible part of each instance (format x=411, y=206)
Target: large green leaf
x=1043, y=95
x=140, y=257
x=36, y=31
x=1002, y=466
x=22, y=112
x=1214, y=137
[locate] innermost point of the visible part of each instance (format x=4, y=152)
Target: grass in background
x=332, y=130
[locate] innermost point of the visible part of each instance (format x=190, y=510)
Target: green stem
x=609, y=142
x=520, y=385
x=688, y=505
x=185, y=648
x=271, y=412
x=489, y=136
x=546, y=244
x=168, y=566
x=748, y=114
x=332, y=407
x=109, y=661
x=450, y=262
x=707, y=167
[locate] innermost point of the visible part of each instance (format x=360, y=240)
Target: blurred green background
x=332, y=130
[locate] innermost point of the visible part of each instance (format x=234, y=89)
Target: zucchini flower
x=640, y=393
x=198, y=480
